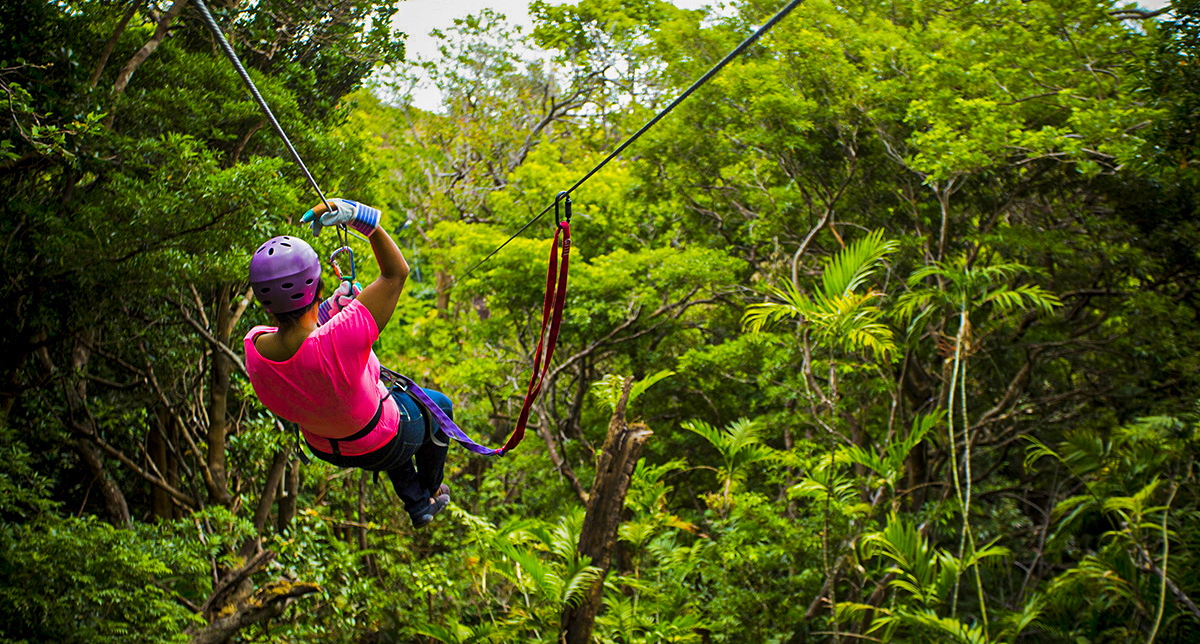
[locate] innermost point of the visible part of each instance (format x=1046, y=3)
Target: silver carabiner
x=337, y=269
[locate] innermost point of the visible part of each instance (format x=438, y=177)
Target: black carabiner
x=562, y=196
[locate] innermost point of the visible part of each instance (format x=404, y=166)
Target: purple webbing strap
x=442, y=419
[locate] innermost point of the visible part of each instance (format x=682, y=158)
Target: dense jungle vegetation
x=907, y=297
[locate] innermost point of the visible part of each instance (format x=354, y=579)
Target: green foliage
x=889, y=465
x=739, y=445
x=836, y=312
x=967, y=287
x=609, y=388
x=1131, y=478
x=82, y=580
x=781, y=265
x=923, y=578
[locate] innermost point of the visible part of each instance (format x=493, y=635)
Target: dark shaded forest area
x=887, y=334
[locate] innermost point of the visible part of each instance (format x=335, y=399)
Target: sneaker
x=443, y=489
x=436, y=505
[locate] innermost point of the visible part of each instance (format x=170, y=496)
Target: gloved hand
x=340, y=299
x=360, y=217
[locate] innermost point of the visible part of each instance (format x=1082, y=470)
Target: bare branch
x=1138, y=14
x=160, y=32
x=112, y=43
x=221, y=346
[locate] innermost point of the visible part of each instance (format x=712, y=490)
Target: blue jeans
x=414, y=459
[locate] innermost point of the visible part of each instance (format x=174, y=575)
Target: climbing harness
x=556, y=273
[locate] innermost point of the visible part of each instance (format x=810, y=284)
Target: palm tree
x=838, y=313
x=842, y=315
x=740, y=445
x=964, y=287
x=538, y=560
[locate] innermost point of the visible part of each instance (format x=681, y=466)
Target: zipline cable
x=737, y=51
x=262, y=104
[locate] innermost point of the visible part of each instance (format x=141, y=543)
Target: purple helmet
x=284, y=273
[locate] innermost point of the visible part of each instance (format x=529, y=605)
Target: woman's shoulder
x=265, y=342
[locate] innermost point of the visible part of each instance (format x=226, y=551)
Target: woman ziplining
x=316, y=367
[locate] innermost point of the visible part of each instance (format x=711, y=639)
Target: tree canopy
x=885, y=334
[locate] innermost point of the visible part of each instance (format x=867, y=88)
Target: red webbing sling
x=552, y=310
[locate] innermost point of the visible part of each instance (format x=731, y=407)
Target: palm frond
x=742, y=433
x=848, y=269
x=579, y=584
x=836, y=304
x=704, y=430
x=1020, y=298
x=608, y=389
x=943, y=629
x=642, y=385
x=791, y=304
x=917, y=277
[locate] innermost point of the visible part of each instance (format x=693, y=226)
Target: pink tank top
x=330, y=387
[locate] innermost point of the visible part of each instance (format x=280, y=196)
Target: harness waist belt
x=334, y=443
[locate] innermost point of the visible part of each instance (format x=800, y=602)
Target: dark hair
x=286, y=321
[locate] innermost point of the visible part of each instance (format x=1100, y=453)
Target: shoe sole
x=436, y=506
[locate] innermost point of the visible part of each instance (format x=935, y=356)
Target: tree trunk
x=369, y=560
x=236, y=604
x=114, y=499
x=156, y=451
x=443, y=290
x=112, y=43
x=218, y=421
x=559, y=460
x=918, y=476
x=82, y=423
x=287, y=502
x=598, y=536
x=274, y=477
x=264, y=604
x=9, y=391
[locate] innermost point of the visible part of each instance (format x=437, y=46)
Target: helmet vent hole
x=286, y=244
x=297, y=296
x=270, y=251
x=309, y=282
x=265, y=289
x=287, y=285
